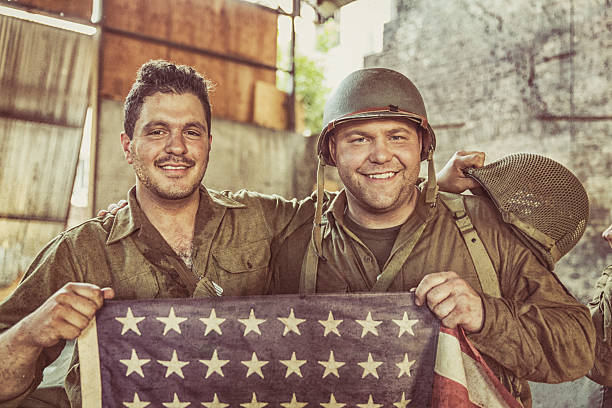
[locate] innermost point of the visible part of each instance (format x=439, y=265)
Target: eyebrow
x=393, y=131
x=197, y=125
x=401, y=130
x=153, y=124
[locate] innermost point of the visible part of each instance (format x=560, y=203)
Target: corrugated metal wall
x=44, y=94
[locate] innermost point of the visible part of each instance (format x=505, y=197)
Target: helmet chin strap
x=316, y=229
x=431, y=191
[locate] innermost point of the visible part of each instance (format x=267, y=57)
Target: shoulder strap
x=478, y=253
x=310, y=266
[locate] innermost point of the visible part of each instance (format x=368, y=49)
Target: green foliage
x=311, y=91
x=329, y=37
x=310, y=87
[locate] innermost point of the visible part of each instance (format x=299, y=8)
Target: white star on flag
x=369, y=325
x=405, y=366
x=332, y=403
x=403, y=402
x=254, y=365
x=370, y=404
x=176, y=403
x=137, y=403
x=171, y=322
x=134, y=364
x=331, y=325
x=215, y=403
x=293, y=366
x=370, y=366
x=291, y=323
x=130, y=322
x=214, y=365
x=331, y=365
x=254, y=403
x=174, y=365
x=293, y=403
x=251, y=324
x=212, y=322
x=405, y=325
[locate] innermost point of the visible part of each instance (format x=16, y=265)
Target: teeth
x=173, y=167
x=381, y=175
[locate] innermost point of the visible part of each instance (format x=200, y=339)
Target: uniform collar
x=132, y=218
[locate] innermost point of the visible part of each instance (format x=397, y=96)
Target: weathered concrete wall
x=521, y=76
x=242, y=156
x=507, y=77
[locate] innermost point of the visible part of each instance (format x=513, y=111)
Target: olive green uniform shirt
x=234, y=239
x=536, y=331
x=601, y=311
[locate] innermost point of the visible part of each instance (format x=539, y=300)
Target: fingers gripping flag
x=331, y=351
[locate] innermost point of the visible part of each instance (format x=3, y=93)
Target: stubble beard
x=173, y=192
x=381, y=201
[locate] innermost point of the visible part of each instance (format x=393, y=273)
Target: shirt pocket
x=243, y=270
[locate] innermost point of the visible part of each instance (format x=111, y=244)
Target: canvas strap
x=480, y=257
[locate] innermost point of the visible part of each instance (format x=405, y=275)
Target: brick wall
x=508, y=77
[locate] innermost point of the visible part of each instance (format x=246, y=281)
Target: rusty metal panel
x=44, y=72
x=68, y=8
x=232, y=27
x=44, y=81
x=37, y=169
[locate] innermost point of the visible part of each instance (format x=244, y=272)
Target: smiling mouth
x=171, y=167
x=381, y=176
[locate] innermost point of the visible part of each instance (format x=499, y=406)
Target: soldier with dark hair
x=176, y=238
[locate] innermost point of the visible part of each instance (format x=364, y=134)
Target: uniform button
x=249, y=264
x=368, y=258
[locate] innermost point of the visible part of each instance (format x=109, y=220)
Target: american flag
x=332, y=351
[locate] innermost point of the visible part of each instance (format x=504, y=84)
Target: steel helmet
x=374, y=93
x=550, y=213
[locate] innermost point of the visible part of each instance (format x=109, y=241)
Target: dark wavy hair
x=163, y=76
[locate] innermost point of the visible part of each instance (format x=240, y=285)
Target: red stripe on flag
x=442, y=385
x=449, y=394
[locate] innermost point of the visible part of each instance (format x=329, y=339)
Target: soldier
x=175, y=238
x=601, y=312
x=384, y=233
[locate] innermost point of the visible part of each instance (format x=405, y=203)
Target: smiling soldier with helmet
x=383, y=233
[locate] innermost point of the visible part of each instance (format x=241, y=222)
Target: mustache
x=173, y=159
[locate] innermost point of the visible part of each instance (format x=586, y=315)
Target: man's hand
x=113, y=208
x=64, y=315
x=451, y=178
x=607, y=235
x=452, y=300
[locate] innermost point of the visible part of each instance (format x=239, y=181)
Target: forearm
x=19, y=362
x=538, y=342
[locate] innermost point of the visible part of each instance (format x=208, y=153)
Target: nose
x=175, y=143
x=380, y=151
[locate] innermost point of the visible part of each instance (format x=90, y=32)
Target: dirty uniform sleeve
x=52, y=268
x=537, y=329
x=601, y=313
x=285, y=216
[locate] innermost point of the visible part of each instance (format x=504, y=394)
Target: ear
x=210, y=137
x=125, y=144
x=331, y=145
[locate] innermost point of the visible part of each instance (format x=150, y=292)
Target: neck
x=169, y=217
x=377, y=219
